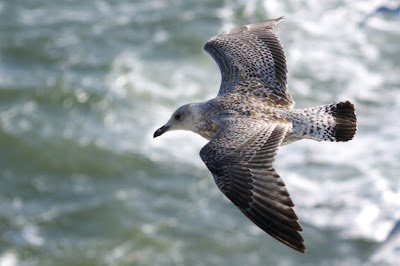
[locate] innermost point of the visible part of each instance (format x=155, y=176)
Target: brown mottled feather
x=241, y=163
x=252, y=60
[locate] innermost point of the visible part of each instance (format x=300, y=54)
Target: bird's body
x=249, y=119
x=312, y=123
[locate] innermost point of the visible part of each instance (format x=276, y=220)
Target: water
x=84, y=84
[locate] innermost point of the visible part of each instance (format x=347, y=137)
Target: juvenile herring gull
x=249, y=119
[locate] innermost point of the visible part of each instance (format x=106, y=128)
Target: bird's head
x=182, y=119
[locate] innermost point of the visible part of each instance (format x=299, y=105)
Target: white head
x=184, y=118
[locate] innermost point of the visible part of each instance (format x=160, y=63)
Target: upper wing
x=251, y=60
x=241, y=163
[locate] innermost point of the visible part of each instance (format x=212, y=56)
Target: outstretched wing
x=241, y=164
x=251, y=60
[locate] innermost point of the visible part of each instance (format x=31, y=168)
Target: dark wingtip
x=301, y=249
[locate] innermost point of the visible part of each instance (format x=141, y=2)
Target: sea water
x=84, y=85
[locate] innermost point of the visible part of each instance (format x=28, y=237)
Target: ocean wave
x=84, y=85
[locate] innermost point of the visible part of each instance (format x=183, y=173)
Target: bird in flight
x=249, y=119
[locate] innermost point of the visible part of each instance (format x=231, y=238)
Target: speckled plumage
x=249, y=119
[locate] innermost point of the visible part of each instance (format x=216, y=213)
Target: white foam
x=8, y=258
x=30, y=233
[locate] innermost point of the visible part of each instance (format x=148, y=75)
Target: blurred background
x=85, y=83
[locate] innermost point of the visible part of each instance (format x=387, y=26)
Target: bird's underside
x=248, y=121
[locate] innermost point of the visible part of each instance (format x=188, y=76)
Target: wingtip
x=296, y=245
x=279, y=19
x=301, y=248
x=272, y=22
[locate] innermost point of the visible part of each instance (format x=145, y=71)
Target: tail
x=333, y=122
x=345, y=120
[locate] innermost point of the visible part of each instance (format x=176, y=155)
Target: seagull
x=249, y=119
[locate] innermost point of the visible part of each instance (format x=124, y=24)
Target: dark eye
x=177, y=117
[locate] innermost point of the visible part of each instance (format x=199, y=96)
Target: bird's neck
x=206, y=126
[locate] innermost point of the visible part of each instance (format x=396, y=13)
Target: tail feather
x=332, y=122
x=345, y=120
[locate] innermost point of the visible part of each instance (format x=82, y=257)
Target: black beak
x=161, y=131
